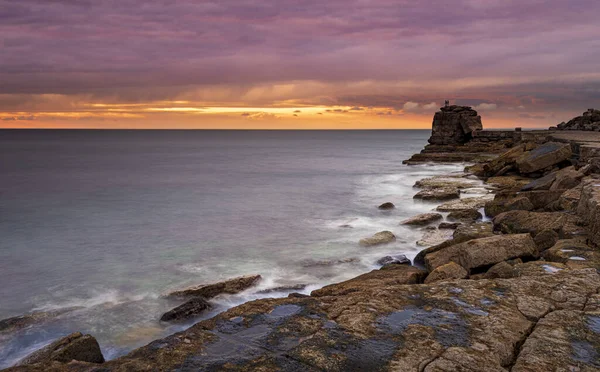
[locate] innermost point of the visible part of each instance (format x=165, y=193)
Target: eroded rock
x=544, y=156
x=387, y=206
x=467, y=215
x=422, y=219
x=484, y=252
x=515, y=222
x=190, y=309
x=382, y=237
x=75, y=346
x=230, y=286
x=445, y=272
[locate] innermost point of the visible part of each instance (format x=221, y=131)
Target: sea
x=97, y=225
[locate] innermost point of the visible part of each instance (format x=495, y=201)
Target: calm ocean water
x=107, y=221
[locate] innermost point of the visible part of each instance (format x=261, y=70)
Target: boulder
x=76, y=346
x=502, y=270
x=454, y=125
x=284, y=288
x=544, y=156
x=449, y=225
x=449, y=271
x=508, y=182
x=387, y=206
x=515, y=222
x=542, y=183
x=567, y=178
x=447, y=181
x=393, y=274
x=382, y=237
x=574, y=253
x=394, y=260
x=466, y=215
x=230, y=286
x=422, y=219
x=569, y=199
x=190, y=309
x=434, y=236
x=484, y=252
x=473, y=231
x=443, y=193
x=465, y=203
x=540, y=199
x=505, y=160
x=497, y=206
x=545, y=239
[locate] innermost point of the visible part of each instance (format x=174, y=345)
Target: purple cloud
x=134, y=50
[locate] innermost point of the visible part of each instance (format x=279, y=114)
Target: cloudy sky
x=295, y=64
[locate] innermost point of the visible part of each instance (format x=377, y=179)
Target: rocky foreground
x=518, y=293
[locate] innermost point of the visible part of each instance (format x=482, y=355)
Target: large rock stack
x=590, y=120
x=454, y=125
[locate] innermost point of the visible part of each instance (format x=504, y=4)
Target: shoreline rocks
x=422, y=219
x=382, y=237
x=208, y=291
x=76, y=346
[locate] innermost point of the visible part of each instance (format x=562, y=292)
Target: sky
x=291, y=64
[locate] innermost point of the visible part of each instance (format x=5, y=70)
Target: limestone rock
x=545, y=239
x=569, y=199
x=454, y=125
x=466, y=215
x=434, y=236
x=230, y=286
x=515, y=222
x=445, y=272
x=462, y=325
x=189, y=309
x=392, y=275
x=507, y=159
x=473, y=231
x=387, y=206
x=422, y=219
x=484, y=251
x=449, y=225
x=563, y=340
x=574, y=254
x=508, y=182
x=382, y=237
x=544, y=156
x=497, y=206
x=394, y=260
x=445, y=181
x=542, y=183
x=567, y=178
x=464, y=203
x=443, y=193
x=542, y=199
x=75, y=346
x=589, y=120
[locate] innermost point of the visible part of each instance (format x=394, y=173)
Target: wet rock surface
x=387, y=206
x=422, y=219
x=394, y=260
x=469, y=325
x=383, y=237
x=189, y=309
x=207, y=291
x=75, y=346
x=483, y=252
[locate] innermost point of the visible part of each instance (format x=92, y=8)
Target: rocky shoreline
x=519, y=292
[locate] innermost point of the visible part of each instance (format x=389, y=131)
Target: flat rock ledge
x=383, y=321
